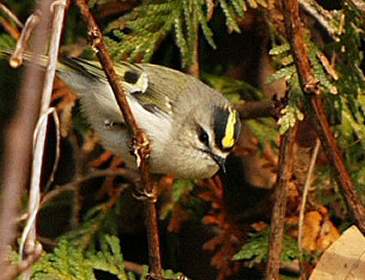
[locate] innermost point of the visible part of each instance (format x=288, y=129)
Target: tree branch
x=142, y=147
x=256, y=109
x=18, y=145
x=310, y=86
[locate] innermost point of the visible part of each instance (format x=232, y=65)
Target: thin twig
x=126, y=173
x=32, y=22
x=142, y=145
x=278, y=213
x=10, y=15
x=18, y=147
x=28, y=238
x=134, y=267
x=310, y=86
x=308, y=181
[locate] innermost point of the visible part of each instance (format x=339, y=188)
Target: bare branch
x=10, y=15
x=142, y=146
x=310, y=86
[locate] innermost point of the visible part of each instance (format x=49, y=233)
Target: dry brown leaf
x=319, y=231
x=311, y=230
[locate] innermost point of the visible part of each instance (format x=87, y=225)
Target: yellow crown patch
x=229, y=139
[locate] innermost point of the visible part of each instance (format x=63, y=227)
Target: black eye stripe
x=220, y=121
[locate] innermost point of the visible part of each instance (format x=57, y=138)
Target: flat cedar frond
x=70, y=262
x=256, y=249
x=233, y=89
x=66, y=262
x=138, y=34
x=109, y=258
x=98, y=220
x=287, y=71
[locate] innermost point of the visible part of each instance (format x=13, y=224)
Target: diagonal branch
x=142, y=147
x=310, y=86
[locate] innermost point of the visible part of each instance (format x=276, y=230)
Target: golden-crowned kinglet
x=191, y=127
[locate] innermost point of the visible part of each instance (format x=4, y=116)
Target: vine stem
x=142, y=145
x=307, y=184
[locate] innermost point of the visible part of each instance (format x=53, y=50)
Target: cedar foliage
x=86, y=226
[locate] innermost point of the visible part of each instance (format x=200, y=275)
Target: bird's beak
x=221, y=161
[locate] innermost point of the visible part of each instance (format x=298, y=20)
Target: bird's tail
x=40, y=60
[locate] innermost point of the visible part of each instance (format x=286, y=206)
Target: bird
x=191, y=127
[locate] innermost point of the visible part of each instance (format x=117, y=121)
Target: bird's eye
x=203, y=137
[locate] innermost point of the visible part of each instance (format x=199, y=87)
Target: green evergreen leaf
x=239, y=7
x=67, y=262
x=231, y=21
x=234, y=90
x=284, y=73
x=139, y=33
x=256, y=249
x=281, y=49
x=109, y=259
x=290, y=115
x=98, y=220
